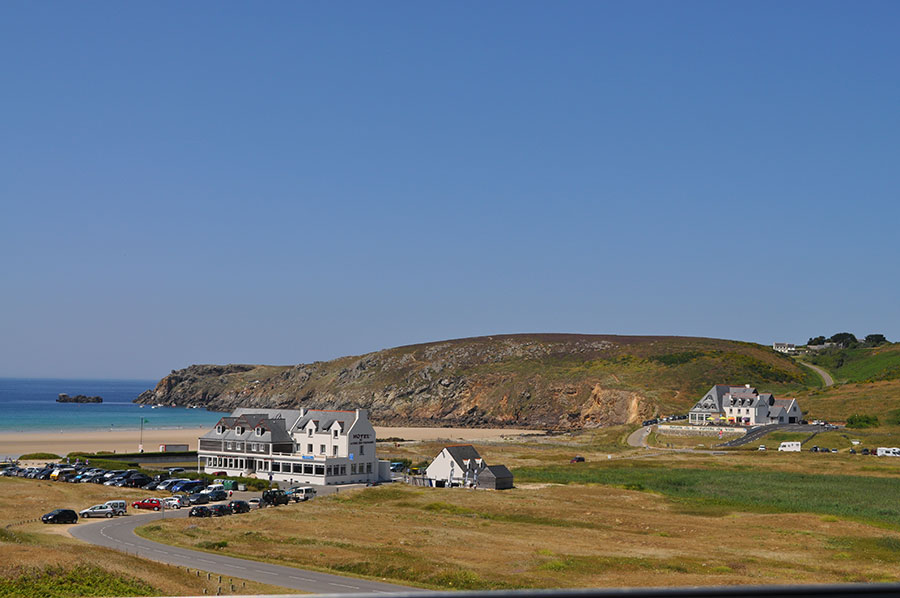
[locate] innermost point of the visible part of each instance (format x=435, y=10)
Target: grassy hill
x=861, y=364
x=556, y=381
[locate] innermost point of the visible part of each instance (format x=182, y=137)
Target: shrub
x=862, y=421
x=41, y=456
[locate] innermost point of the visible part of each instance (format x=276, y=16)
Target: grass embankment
x=860, y=364
x=862, y=498
x=43, y=560
x=675, y=526
x=839, y=402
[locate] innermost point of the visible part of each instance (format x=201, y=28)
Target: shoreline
x=121, y=440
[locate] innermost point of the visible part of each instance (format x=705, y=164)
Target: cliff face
x=538, y=381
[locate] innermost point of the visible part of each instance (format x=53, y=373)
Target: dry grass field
x=591, y=534
x=38, y=559
x=545, y=536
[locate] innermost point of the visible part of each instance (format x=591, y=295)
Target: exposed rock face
x=64, y=398
x=549, y=381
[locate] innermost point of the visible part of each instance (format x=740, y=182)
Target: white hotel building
x=313, y=446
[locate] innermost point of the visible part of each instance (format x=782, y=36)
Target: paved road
x=119, y=534
x=638, y=438
x=826, y=377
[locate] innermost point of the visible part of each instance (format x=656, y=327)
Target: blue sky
x=287, y=182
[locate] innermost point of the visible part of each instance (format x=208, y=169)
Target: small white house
x=461, y=465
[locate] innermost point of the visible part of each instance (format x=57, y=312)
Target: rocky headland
x=541, y=381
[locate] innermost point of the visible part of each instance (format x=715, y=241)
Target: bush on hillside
x=862, y=421
x=41, y=456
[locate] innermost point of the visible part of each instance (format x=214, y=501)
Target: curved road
x=119, y=534
x=826, y=377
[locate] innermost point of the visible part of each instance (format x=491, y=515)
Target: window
x=259, y=431
x=239, y=430
x=353, y=469
x=276, y=466
x=335, y=432
x=362, y=450
x=228, y=445
x=309, y=432
x=220, y=429
x=309, y=448
x=334, y=451
x=320, y=470
x=369, y=467
x=298, y=468
x=321, y=449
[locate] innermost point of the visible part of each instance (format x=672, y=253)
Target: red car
x=148, y=503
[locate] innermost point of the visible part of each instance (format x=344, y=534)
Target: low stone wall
x=670, y=430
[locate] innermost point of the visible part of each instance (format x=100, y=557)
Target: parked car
x=119, y=507
x=175, y=502
x=301, y=493
x=97, y=511
x=199, y=499
x=199, y=512
x=762, y=447
x=168, y=484
x=217, y=495
x=148, y=503
x=239, y=506
x=220, y=510
x=577, y=459
x=274, y=498
x=255, y=503
x=60, y=516
x=175, y=470
x=137, y=481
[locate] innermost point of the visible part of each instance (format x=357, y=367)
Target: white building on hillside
x=743, y=405
x=314, y=446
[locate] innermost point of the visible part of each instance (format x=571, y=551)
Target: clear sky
x=289, y=182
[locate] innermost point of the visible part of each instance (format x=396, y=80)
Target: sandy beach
x=14, y=444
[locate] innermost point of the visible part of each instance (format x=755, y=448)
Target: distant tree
x=819, y=340
x=844, y=339
x=873, y=340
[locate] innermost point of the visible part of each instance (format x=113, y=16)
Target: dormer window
x=220, y=429
x=239, y=430
x=309, y=432
x=335, y=432
x=259, y=431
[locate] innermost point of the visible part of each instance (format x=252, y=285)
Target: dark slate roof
x=499, y=472
x=272, y=421
x=324, y=418
x=462, y=451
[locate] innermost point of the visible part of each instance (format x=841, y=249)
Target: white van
x=213, y=488
x=887, y=452
x=119, y=507
x=789, y=447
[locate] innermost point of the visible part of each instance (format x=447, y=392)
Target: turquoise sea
x=29, y=405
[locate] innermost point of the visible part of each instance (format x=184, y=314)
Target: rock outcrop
x=64, y=398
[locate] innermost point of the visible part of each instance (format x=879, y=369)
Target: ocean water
x=29, y=405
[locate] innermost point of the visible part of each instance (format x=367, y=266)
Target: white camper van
x=887, y=452
x=789, y=447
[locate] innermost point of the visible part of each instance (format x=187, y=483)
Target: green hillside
x=861, y=364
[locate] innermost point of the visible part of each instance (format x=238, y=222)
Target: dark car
x=220, y=510
x=274, y=498
x=137, y=481
x=60, y=516
x=577, y=459
x=865, y=451
x=199, y=512
x=199, y=499
x=217, y=495
x=239, y=506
